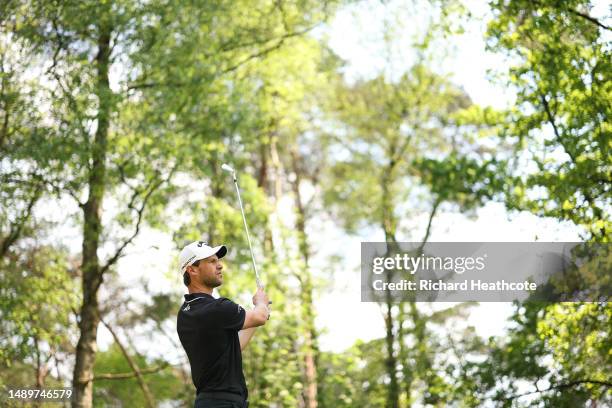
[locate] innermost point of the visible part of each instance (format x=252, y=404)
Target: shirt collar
x=191, y=296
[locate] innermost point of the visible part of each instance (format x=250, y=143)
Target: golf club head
x=227, y=167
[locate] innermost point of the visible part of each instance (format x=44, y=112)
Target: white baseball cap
x=198, y=250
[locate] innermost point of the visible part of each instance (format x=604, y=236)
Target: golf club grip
x=260, y=286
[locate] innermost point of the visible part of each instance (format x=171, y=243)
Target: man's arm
x=254, y=318
x=245, y=336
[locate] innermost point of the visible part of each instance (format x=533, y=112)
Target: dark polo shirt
x=208, y=330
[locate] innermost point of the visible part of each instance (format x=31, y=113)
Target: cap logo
x=200, y=243
x=187, y=262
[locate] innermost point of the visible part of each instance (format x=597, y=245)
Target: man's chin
x=214, y=283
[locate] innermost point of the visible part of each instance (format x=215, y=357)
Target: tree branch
x=152, y=187
x=580, y=14
x=132, y=363
x=589, y=18
x=561, y=386
x=588, y=197
x=551, y=120
x=432, y=214
x=265, y=51
x=279, y=42
x=124, y=376
x=17, y=226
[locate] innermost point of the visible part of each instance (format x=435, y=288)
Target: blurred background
x=347, y=121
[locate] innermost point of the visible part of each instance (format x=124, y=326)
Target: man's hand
x=260, y=297
x=261, y=313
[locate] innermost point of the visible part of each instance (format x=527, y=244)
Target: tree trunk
x=407, y=370
x=310, y=335
x=262, y=173
x=41, y=371
x=389, y=225
x=391, y=361
x=92, y=227
x=269, y=181
x=419, y=328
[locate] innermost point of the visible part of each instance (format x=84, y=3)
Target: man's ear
x=190, y=270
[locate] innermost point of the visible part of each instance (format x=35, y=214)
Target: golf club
x=230, y=169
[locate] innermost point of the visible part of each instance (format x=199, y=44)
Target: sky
x=356, y=34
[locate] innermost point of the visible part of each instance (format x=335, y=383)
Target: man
x=214, y=332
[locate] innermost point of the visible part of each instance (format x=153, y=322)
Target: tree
x=397, y=140
x=25, y=168
x=559, y=65
x=119, y=141
x=290, y=83
x=559, y=68
x=542, y=361
x=357, y=377
x=37, y=299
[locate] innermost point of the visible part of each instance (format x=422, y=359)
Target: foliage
x=559, y=65
x=37, y=299
x=397, y=136
x=126, y=110
x=139, y=92
x=357, y=377
x=126, y=392
x=553, y=355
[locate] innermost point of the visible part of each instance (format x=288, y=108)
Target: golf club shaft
x=246, y=228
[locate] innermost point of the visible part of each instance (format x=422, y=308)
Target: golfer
x=214, y=332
